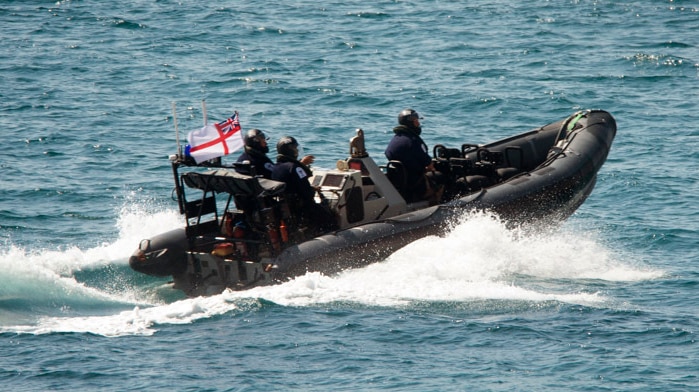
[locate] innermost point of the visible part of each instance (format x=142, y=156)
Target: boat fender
x=223, y=249
x=283, y=232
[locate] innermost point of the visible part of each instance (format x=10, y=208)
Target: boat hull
x=560, y=163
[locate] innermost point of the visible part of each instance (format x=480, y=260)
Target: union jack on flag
x=215, y=140
x=230, y=124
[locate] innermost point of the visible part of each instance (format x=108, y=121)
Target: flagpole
x=177, y=131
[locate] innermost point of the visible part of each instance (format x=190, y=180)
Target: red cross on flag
x=215, y=140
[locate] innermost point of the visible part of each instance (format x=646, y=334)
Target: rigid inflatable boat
x=242, y=231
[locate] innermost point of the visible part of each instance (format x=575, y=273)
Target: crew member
x=254, y=160
x=406, y=146
x=296, y=175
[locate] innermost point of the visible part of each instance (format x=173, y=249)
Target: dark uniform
x=255, y=154
x=298, y=188
x=261, y=164
x=408, y=147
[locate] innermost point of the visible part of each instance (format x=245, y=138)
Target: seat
x=200, y=207
x=441, y=152
x=195, y=210
x=513, y=162
x=396, y=174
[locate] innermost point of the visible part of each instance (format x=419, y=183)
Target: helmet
x=288, y=146
x=406, y=117
x=254, y=138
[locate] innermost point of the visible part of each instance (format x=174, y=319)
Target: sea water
x=606, y=301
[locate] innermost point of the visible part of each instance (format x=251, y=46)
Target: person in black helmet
x=296, y=175
x=254, y=160
x=408, y=147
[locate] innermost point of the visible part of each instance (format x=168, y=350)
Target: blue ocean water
x=607, y=301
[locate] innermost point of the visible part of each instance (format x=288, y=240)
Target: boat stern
x=161, y=256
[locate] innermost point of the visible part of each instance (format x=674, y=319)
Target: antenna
x=203, y=108
x=177, y=131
